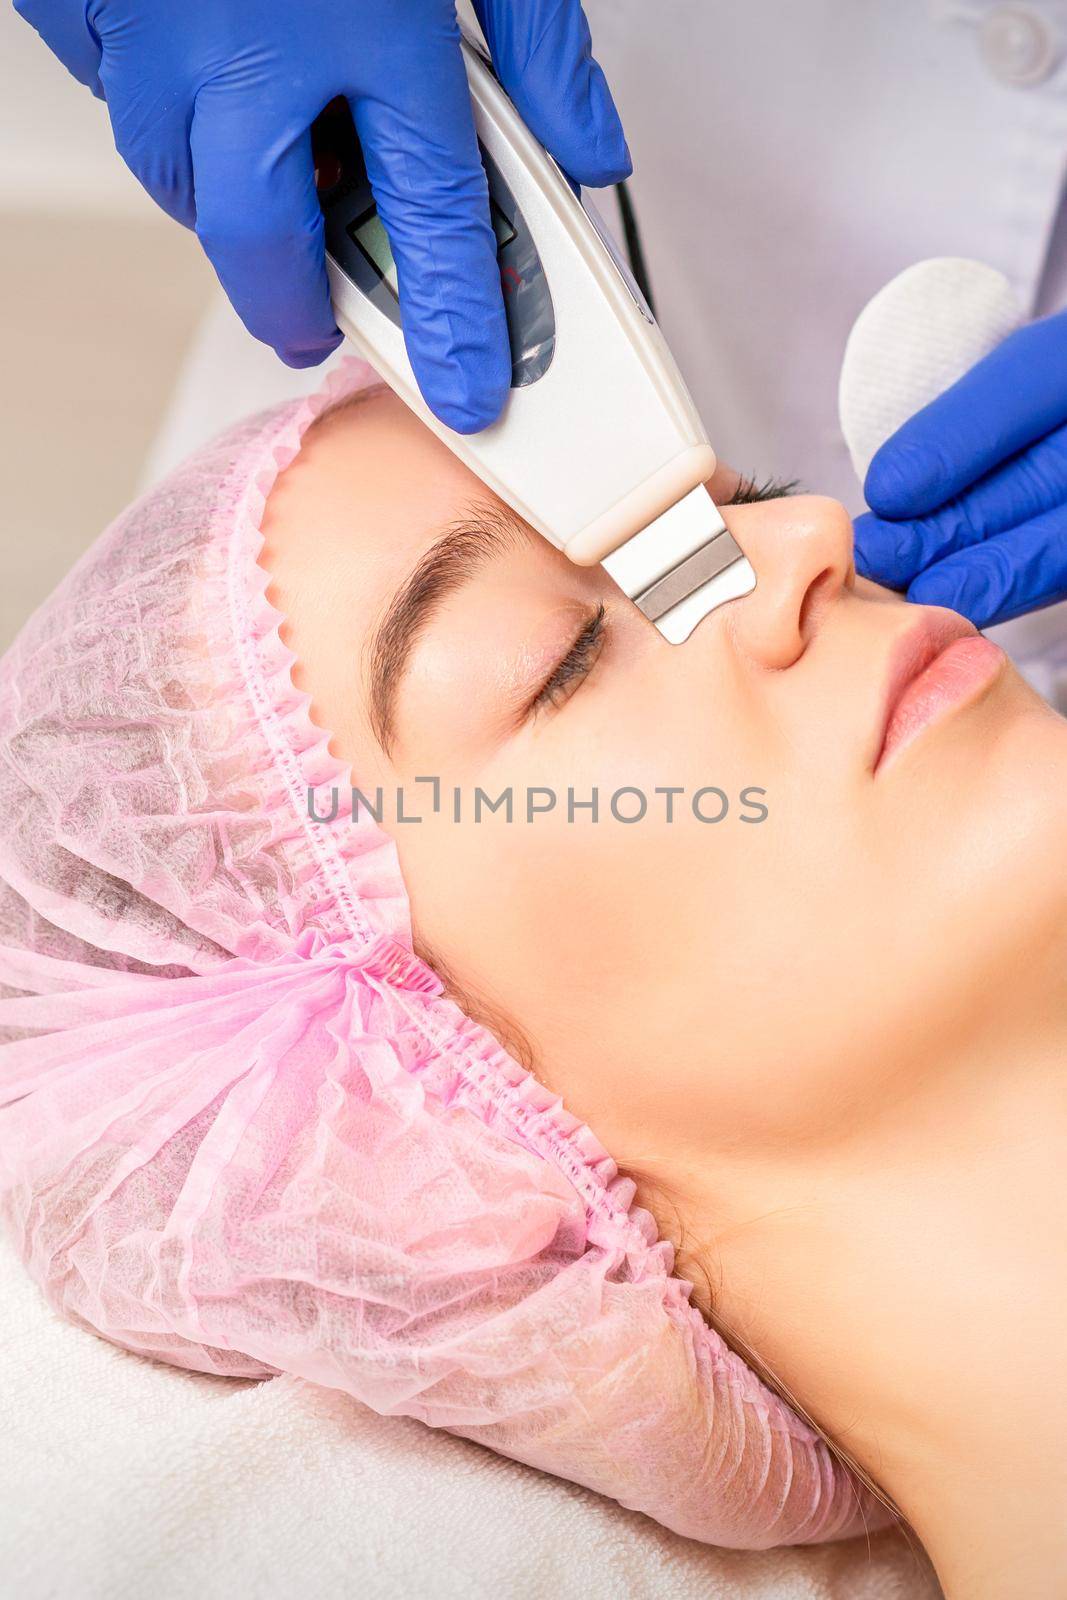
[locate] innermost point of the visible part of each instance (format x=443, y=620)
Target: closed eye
x=576, y=665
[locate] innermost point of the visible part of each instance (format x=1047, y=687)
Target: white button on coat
x=1019, y=45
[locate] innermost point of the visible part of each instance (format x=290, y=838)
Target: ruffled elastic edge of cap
x=466, y=1064
x=350, y=863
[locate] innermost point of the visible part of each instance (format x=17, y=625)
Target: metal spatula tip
x=682, y=566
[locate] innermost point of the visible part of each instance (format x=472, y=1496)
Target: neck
x=910, y=1289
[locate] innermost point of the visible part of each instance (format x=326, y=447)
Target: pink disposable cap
x=244, y=1131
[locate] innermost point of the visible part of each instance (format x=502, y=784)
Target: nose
x=801, y=549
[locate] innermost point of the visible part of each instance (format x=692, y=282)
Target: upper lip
x=913, y=653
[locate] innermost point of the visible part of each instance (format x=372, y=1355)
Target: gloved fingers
x=67, y=32
x=430, y=187
x=895, y=552
x=151, y=122
x=1004, y=577
x=258, y=218
x=1023, y=488
x=884, y=551
x=1012, y=397
x=542, y=53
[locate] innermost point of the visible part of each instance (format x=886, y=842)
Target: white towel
x=122, y=1478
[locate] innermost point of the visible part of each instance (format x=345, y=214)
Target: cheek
x=536, y=913
x=683, y=982
x=628, y=953
x=558, y=923
x=628, y=956
x=708, y=981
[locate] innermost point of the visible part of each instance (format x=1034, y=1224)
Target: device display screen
x=368, y=233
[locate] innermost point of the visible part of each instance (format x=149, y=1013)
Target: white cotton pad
x=913, y=340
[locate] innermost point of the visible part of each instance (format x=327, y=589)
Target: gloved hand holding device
x=211, y=103
x=969, y=497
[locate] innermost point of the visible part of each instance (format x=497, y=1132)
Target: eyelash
x=575, y=665
x=749, y=491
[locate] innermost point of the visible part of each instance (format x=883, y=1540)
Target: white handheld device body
x=599, y=445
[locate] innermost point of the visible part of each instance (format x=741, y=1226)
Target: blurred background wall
x=100, y=295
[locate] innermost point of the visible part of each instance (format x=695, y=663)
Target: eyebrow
x=482, y=535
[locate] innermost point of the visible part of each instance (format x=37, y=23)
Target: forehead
x=370, y=491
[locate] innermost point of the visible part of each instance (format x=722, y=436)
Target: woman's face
x=686, y=984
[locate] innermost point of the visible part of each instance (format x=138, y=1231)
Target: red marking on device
x=327, y=172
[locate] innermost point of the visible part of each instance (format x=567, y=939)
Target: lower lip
x=953, y=679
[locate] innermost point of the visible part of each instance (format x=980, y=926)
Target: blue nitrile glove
x=211, y=102
x=970, y=495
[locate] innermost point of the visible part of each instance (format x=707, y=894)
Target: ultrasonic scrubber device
x=599, y=445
